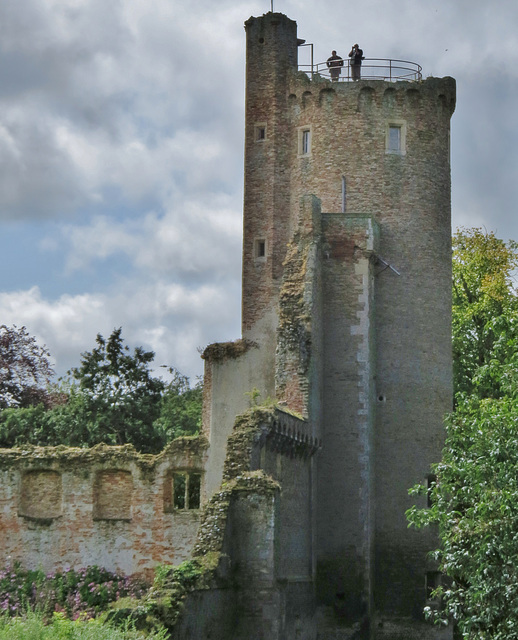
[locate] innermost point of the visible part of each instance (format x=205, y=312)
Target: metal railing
x=371, y=69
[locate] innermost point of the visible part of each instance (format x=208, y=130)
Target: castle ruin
x=346, y=328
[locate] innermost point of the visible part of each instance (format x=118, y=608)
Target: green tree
x=485, y=313
x=115, y=395
x=180, y=413
x=474, y=501
x=112, y=397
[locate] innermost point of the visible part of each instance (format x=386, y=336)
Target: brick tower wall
x=386, y=147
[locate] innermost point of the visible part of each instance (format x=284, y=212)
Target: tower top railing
x=371, y=69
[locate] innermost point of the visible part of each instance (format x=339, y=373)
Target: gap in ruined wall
x=182, y=491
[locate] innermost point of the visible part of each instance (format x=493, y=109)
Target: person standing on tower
x=335, y=64
x=356, y=56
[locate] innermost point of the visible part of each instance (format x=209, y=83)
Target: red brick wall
x=107, y=506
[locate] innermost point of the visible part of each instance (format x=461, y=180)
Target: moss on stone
x=100, y=454
x=220, y=351
x=164, y=602
x=247, y=431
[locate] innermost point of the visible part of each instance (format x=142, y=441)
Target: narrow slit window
x=306, y=141
x=260, y=249
x=344, y=194
x=260, y=132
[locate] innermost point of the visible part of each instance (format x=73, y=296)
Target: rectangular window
x=395, y=138
x=304, y=143
x=260, y=132
x=394, y=141
x=186, y=491
x=260, y=249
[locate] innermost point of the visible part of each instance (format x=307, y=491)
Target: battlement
x=306, y=90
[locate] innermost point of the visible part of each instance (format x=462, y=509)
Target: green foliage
x=475, y=505
x=112, y=397
x=87, y=591
x=180, y=413
x=253, y=396
x=33, y=627
x=474, y=502
x=116, y=396
x=485, y=314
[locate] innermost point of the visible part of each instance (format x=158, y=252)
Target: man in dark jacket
x=356, y=56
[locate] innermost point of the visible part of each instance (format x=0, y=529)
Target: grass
x=33, y=627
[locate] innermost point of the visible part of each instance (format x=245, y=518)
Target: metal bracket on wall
x=378, y=261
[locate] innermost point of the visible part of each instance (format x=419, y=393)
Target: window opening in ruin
x=186, y=490
x=260, y=132
x=194, y=487
x=179, y=484
x=260, y=248
x=344, y=194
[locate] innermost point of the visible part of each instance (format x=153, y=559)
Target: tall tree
x=485, y=312
x=117, y=394
x=474, y=501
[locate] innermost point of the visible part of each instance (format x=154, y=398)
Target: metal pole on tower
x=272, y=5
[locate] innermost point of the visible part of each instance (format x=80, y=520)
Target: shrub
x=87, y=592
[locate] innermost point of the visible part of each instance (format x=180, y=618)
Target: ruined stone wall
x=298, y=361
x=232, y=371
x=259, y=527
x=108, y=506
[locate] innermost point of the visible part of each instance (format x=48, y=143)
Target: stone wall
x=260, y=525
x=110, y=506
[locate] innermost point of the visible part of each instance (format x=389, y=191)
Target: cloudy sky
x=121, y=152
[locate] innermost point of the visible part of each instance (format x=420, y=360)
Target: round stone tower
x=376, y=155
